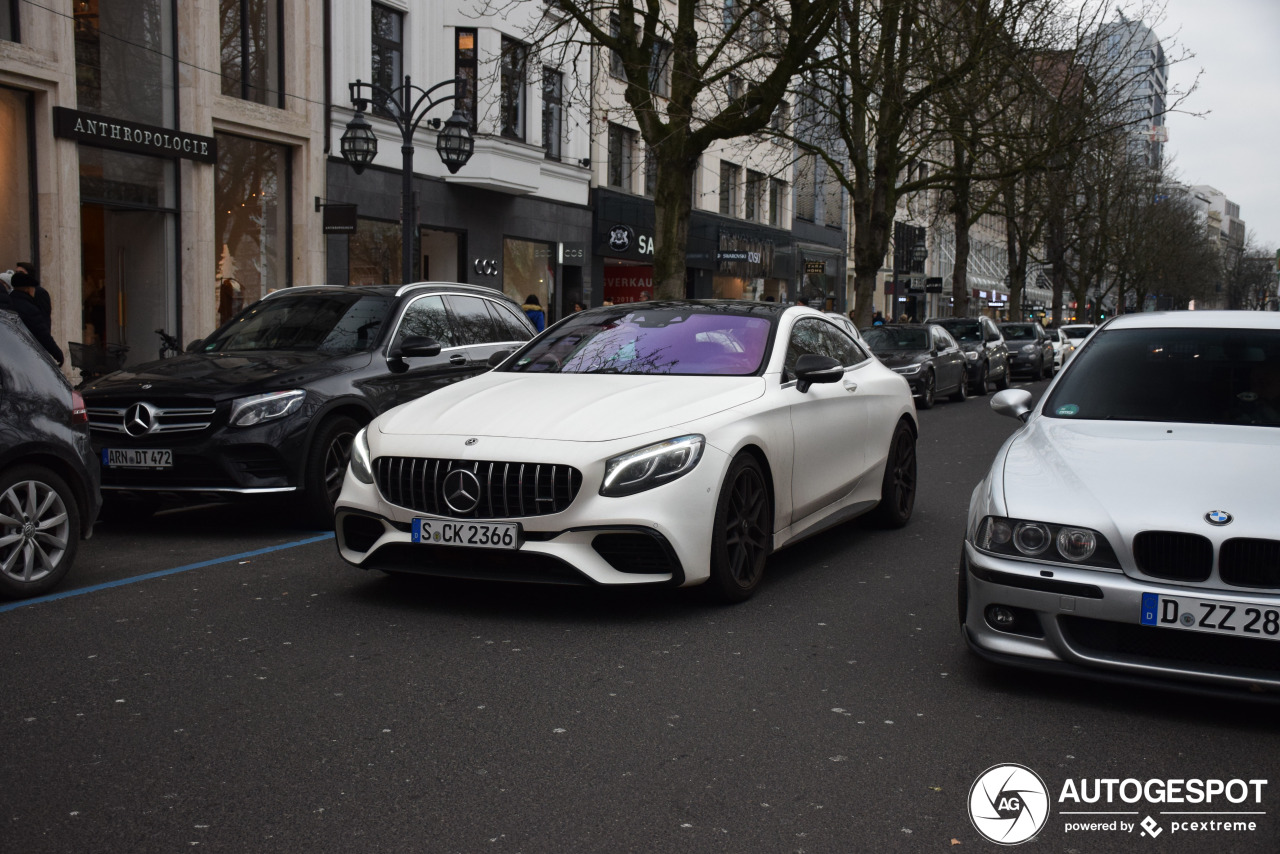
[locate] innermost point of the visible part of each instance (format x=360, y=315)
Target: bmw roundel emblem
x=1218, y=517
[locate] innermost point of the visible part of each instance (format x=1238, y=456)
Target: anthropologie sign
x=125, y=135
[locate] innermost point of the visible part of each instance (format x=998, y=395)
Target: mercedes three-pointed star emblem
x=139, y=419
x=461, y=491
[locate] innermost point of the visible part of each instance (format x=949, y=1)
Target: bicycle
x=169, y=345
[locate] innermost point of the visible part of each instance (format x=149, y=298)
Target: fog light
x=1000, y=617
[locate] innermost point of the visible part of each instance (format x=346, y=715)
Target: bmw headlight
x=361, y=464
x=654, y=465
x=248, y=411
x=971, y=355
x=1022, y=538
x=910, y=369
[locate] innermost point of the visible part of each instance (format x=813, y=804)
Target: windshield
x=964, y=331
x=882, y=339
x=1018, y=332
x=662, y=340
x=1201, y=376
x=334, y=323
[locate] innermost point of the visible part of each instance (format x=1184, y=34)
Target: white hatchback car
x=1129, y=529
x=673, y=443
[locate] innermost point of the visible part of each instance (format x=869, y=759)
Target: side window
x=473, y=325
x=509, y=326
x=805, y=338
x=426, y=316
x=839, y=346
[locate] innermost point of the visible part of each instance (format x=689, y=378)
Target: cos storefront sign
x=123, y=135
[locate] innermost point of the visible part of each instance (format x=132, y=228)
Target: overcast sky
x=1233, y=148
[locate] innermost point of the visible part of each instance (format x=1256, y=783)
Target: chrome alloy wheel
x=35, y=528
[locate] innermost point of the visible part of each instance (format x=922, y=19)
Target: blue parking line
x=163, y=572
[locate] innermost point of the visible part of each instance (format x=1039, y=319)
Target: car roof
x=739, y=306
x=1196, y=320
x=393, y=290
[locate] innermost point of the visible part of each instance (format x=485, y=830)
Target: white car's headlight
x=361, y=465
x=653, y=465
x=1022, y=538
x=248, y=411
x=910, y=369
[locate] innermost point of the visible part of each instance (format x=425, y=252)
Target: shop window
x=622, y=145
x=514, y=58
x=124, y=60
x=730, y=179
x=388, y=54
x=373, y=255
x=528, y=269
x=552, y=112
x=464, y=67
x=17, y=229
x=252, y=44
x=251, y=221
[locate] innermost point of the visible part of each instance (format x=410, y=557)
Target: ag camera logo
x=1008, y=804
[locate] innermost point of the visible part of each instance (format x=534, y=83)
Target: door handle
x=850, y=385
x=457, y=359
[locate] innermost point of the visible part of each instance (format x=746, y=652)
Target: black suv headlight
x=251, y=411
x=1022, y=538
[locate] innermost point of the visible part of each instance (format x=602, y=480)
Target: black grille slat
x=1173, y=555
x=510, y=490
x=1246, y=562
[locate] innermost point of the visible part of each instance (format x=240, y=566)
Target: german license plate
x=476, y=535
x=137, y=458
x=1214, y=616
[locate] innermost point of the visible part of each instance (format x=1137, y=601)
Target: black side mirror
x=195, y=345
x=812, y=368
x=498, y=358
x=409, y=346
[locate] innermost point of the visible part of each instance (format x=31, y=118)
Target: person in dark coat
x=38, y=323
x=533, y=310
x=42, y=296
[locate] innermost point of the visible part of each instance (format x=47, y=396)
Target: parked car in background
x=269, y=403
x=1077, y=332
x=673, y=443
x=985, y=351
x=1030, y=350
x=926, y=355
x=1062, y=348
x=49, y=495
x=1128, y=529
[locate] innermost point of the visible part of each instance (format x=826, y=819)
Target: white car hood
x=568, y=407
x=1126, y=477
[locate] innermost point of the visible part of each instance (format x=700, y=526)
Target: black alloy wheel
x=929, y=392
x=326, y=469
x=979, y=388
x=898, y=489
x=742, y=534
x=1002, y=382
x=961, y=394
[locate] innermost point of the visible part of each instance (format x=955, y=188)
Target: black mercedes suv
x=269, y=403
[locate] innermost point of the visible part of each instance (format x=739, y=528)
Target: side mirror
x=498, y=358
x=1014, y=402
x=411, y=345
x=195, y=345
x=812, y=368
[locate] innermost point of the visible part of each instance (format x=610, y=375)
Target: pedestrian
x=42, y=296
x=877, y=319
x=905, y=318
x=38, y=322
x=5, y=289
x=533, y=310
x=802, y=301
x=577, y=307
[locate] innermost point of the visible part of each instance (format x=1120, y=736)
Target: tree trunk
x=673, y=201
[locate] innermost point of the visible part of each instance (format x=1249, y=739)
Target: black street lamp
x=407, y=106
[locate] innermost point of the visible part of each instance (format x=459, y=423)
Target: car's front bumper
x=1088, y=622
x=1025, y=362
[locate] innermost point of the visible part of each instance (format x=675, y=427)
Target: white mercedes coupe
x=672, y=443
x=1131, y=528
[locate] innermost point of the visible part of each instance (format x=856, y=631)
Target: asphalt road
x=267, y=697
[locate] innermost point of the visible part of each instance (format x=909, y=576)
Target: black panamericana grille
x=1250, y=563
x=494, y=490
x=1173, y=555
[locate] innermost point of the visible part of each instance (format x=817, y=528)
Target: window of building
x=650, y=172
x=9, y=20
x=17, y=214
x=777, y=199
x=616, y=68
x=622, y=144
x=754, y=197
x=730, y=178
x=780, y=121
x=514, y=58
x=833, y=198
x=252, y=41
x=373, y=254
x=388, y=54
x=125, y=61
x=552, y=112
x=732, y=12
x=660, y=69
x=251, y=221
x=464, y=67
x=528, y=269
x=806, y=186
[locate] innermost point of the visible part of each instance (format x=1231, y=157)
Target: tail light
x=79, y=415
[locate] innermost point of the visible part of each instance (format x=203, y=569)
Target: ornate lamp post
x=407, y=106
